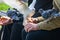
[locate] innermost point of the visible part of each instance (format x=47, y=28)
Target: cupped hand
x=5, y=20
x=32, y=20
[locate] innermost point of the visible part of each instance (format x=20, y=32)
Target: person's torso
x=43, y=4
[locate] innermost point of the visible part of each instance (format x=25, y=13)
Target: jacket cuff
x=46, y=26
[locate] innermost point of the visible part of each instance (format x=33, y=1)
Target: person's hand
x=29, y=20
x=5, y=20
x=31, y=26
x=8, y=21
x=32, y=20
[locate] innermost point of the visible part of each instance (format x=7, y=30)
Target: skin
x=6, y=20
x=31, y=25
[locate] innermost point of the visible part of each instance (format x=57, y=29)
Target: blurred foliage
x=3, y=7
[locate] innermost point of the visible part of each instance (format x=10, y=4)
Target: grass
x=3, y=7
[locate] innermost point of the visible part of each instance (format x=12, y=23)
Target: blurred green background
x=3, y=7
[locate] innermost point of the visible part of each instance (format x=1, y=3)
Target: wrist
x=40, y=25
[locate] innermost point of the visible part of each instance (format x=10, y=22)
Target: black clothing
x=44, y=4
x=41, y=35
